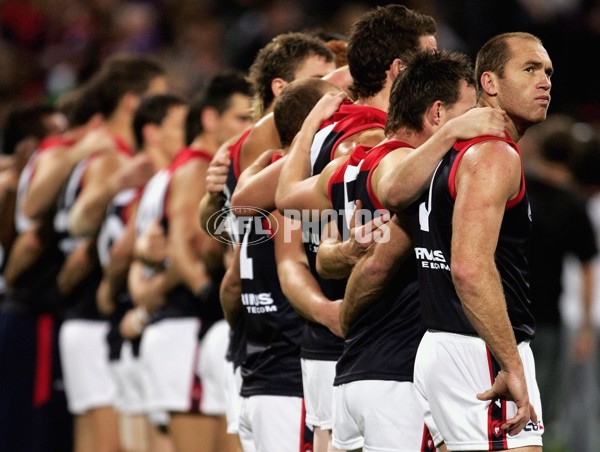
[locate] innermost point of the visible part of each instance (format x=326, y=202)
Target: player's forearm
x=230, y=295
x=403, y=183
x=480, y=291
x=302, y=290
x=87, y=214
x=190, y=269
x=24, y=253
x=148, y=290
x=210, y=205
x=335, y=259
x=296, y=167
x=76, y=268
x=365, y=285
x=256, y=189
x=46, y=184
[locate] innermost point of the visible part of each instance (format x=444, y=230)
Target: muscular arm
x=187, y=188
x=114, y=274
x=26, y=249
x=146, y=290
x=53, y=169
x=402, y=175
x=372, y=273
x=105, y=177
x=257, y=184
x=147, y=282
x=230, y=292
x=488, y=176
x=337, y=257
x=77, y=266
x=297, y=282
x=262, y=137
x=214, y=199
x=297, y=165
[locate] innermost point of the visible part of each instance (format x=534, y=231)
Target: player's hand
x=325, y=107
x=133, y=322
x=363, y=236
x=135, y=172
x=479, y=121
x=216, y=174
x=512, y=386
x=96, y=140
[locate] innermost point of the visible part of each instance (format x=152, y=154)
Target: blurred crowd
x=49, y=46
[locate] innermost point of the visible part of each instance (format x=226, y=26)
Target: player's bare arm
x=257, y=184
x=216, y=176
x=230, y=292
x=297, y=282
x=402, y=176
x=488, y=176
x=54, y=167
x=105, y=177
x=297, y=165
x=185, y=192
x=337, y=257
x=373, y=271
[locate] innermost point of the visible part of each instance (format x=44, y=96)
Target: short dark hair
x=152, y=110
x=427, y=76
x=124, y=74
x=79, y=105
x=24, y=121
x=217, y=94
x=295, y=103
x=281, y=58
x=377, y=38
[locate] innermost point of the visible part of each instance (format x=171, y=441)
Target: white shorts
x=272, y=424
x=378, y=415
x=168, y=359
x=127, y=373
x=84, y=358
x=462, y=363
x=212, y=370
x=317, y=383
x=233, y=385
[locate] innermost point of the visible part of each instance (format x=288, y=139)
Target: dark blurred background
x=47, y=47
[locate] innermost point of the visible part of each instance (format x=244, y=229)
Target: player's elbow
x=282, y=201
x=465, y=275
x=78, y=225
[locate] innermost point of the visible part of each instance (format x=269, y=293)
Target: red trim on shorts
x=496, y=414
x=42, y=385
x=196, y=390
x=427, y=444
x=306, y=435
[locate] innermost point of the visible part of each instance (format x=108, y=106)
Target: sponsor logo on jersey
x=431, y=259
x=259, y=303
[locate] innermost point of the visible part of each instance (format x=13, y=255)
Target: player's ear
x=396, y=67
x=277, y=85
x=488, y=83
x=209, y=118
x=433, y=115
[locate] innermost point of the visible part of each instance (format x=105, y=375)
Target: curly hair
x=377, y=38
x=280, y=59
